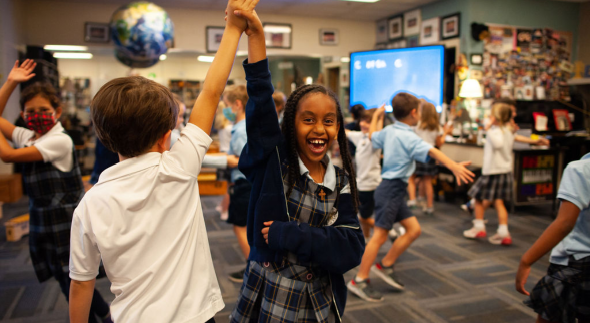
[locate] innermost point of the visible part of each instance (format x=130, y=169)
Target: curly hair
x=289, y=132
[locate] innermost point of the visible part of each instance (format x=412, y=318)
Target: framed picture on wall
x=214, y=35
x=381, y=31
x=396, y=27
x=278, y=35
x=95, y=32
x=429, y=33
x=329, y=37
x=412, y=22
x=413, y=41
x=450, y=26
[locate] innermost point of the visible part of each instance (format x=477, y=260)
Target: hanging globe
x=141, y=31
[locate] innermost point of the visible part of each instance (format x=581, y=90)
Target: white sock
x=411, y=202
x=479, y=224
x=358, y=280
x=503, y=229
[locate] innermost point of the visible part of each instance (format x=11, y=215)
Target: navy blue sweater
x=337, y=248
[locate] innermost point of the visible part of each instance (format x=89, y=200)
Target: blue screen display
x=377, y=76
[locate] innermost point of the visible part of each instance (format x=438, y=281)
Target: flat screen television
x=377, y=76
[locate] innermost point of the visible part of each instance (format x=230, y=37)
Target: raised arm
x=17, y=75
x=206, y=105
x=262, y=125
x=541, y=141
x=377, y=121
x=462, y=174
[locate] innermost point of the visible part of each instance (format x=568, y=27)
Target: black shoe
x=237, y=277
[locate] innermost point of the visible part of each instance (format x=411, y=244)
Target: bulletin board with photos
x=526, y=64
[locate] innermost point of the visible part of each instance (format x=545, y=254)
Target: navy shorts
x=390, y=203
x=367, y=203
x=239, y=198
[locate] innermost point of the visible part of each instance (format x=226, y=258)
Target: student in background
x=180, y=121
x=433, y=134
x=563, y=295
x=401, y=147
x=52, y=179
x=280, y=99
x=495, y=184
x=368, y=169
x=235, y=98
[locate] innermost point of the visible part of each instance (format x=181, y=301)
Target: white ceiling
x=317, y=8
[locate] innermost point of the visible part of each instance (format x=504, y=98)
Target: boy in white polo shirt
x=144, y=216
x=368, y=169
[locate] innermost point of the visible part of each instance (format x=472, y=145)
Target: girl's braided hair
x=289, y=133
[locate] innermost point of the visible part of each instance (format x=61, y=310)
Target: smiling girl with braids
x=302, y=225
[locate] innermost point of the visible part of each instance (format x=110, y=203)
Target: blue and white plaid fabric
x=289, y=292
x=53, y=196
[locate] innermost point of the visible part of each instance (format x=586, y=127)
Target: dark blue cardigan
x=337, y=248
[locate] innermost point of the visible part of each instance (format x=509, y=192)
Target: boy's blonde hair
x=234, y=93
x=428, y=117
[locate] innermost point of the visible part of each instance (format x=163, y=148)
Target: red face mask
x=40, y=122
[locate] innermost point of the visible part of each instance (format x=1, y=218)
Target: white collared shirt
x=55, y=146
x=144, y=219
x=329, y=177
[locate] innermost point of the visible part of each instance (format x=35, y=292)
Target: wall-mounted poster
x=395, y=27
x=450, y=26
x=278, y=35
x=430, y=33
x=329, y=36
x=381, y=30
x=214, y=35
x=413, y=41
x=412, y=22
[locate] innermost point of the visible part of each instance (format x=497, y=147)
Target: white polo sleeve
x=84, y=253
x=57, y=148
x=20, y=136
x=190, y=149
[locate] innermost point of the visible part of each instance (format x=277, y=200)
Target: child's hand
x=22, y=73
x=380, y=111
x=254, y=24
x=265, y=230
x=465, y=163
x=240, y=7
x=232, y=161
x=542, y=142
x=521, y=276
x=462, y=174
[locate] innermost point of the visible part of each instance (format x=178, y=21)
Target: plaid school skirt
x=563, y=295
x=426, y=169
x=274, y=292
x=492, y=187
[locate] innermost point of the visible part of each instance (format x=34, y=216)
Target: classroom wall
x=55, y=22
x=584, y=33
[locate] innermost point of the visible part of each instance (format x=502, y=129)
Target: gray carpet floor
x=448, y=278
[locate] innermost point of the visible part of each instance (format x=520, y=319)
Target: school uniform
x=239, y=191
x=401, y=148
x=563, y=295
x=144, y=219
x=496, y=182
x=315, y=237
x=368, y=171
x=429, y=136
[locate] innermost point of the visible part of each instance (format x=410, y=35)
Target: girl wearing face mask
x=51, y=176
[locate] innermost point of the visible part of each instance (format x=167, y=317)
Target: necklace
x=322, y=194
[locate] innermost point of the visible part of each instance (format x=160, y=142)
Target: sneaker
x=412, y=204
x=393, y=234
x=388, y=276
x=465, y=208
x=475, y=233
x=223, y=216
x=364, y=290
x=237, y=277
x=429, y=211
x=497, y=239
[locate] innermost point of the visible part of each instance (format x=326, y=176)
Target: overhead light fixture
x=277, y=29
x=65, y=48
x=368, y=1
x=163, y=57
x=73, y=55
x=345, y=59
x=206, y=59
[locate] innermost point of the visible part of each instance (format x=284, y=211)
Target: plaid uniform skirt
x=426, y=169
x=274, y=292
x=563, y=295
x=493, y=187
